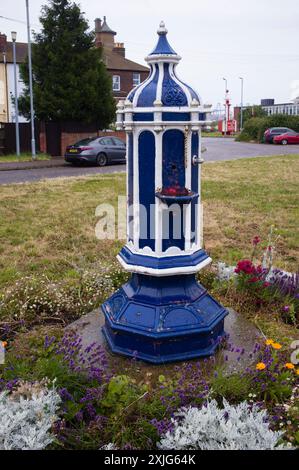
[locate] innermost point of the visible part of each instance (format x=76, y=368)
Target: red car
x=290, y=137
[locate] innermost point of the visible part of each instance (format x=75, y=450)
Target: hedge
x=255, y=127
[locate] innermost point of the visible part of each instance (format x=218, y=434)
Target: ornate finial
x=105, y=19
x=162, y=30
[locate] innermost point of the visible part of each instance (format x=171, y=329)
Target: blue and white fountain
x=163, y=314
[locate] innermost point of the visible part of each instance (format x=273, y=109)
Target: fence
x=50, y=137
x=8, y=137
x=56, y=136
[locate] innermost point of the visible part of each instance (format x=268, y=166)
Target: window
x=86, y=141
x=107, y=141
x=118, y=142
x=116, y=83
x=136, y=79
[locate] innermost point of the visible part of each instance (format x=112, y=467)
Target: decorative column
x=163, y=314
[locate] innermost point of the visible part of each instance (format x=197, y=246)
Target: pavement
x=54, y=162
x=218, y=149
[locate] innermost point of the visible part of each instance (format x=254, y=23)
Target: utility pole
x=241, y=114
x=33, y=151
x=14, y=38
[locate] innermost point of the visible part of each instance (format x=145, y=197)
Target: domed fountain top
x=162, y=87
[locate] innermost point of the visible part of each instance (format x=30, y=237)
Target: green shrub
x=255, y=127
x=243, y=137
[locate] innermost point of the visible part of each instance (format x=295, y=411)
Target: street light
x=14, y=38
x=33, y=151
x=225, y=111
x=241, y=117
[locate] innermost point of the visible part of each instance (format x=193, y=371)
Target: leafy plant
x=26, y=417
x=240, y=427
x=121, y=392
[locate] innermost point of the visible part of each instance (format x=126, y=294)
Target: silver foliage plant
x=240, y=427
x=26, y=417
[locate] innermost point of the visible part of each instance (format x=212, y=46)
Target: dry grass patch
x=244, y=198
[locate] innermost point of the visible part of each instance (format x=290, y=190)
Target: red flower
x=266, y=284
x=256, y=240
x=245, y=266
x=174, y=191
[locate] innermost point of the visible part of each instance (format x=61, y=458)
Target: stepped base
x=163, y=319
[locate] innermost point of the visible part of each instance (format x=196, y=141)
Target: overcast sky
x=256, y=39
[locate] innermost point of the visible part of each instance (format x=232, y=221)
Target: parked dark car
x=290, y=137
x=99, y=150
x=270, y=133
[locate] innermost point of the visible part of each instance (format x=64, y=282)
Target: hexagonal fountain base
x=163, y=319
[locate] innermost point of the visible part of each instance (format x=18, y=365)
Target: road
x=227, y=149
x=218, y=149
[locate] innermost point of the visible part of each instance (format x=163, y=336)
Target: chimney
x=119, y=48
x=104, y=34
x=97, y=30
x=97, y=25
x=3, y=42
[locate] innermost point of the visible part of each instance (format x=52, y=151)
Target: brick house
x=7, y=111
x=124, y=72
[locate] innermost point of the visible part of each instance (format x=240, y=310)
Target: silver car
x=99, y=150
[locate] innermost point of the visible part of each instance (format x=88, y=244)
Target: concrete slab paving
x=235, y=355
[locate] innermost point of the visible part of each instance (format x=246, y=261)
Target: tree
x=251, y=111
x=70, y=81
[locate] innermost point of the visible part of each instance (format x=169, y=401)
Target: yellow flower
x=297, y=371
x=289, y=365
x=269, y=342
x=276, y=346
x=260, y=366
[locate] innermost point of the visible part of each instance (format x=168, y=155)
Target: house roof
x=105, y=28
x=21, y=52
x=115, y=61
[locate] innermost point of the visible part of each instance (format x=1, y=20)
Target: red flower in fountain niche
x=175, y=191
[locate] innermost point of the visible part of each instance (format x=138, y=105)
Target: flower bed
x=101, y=405
x=263, y=284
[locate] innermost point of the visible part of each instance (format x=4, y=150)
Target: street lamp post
x=241, y=116
x=225, y=110
x=33, y=151
x=14, y=38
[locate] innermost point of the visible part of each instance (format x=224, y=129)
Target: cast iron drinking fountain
x=163, y=314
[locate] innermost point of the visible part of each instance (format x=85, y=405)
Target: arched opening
x=146, y=167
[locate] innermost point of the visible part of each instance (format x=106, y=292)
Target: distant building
x=124, y=72
x=280, y=108
x=7, y=91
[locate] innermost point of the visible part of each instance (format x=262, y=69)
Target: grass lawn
x=48, y=226
x=214, y=134
x=24, y=157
